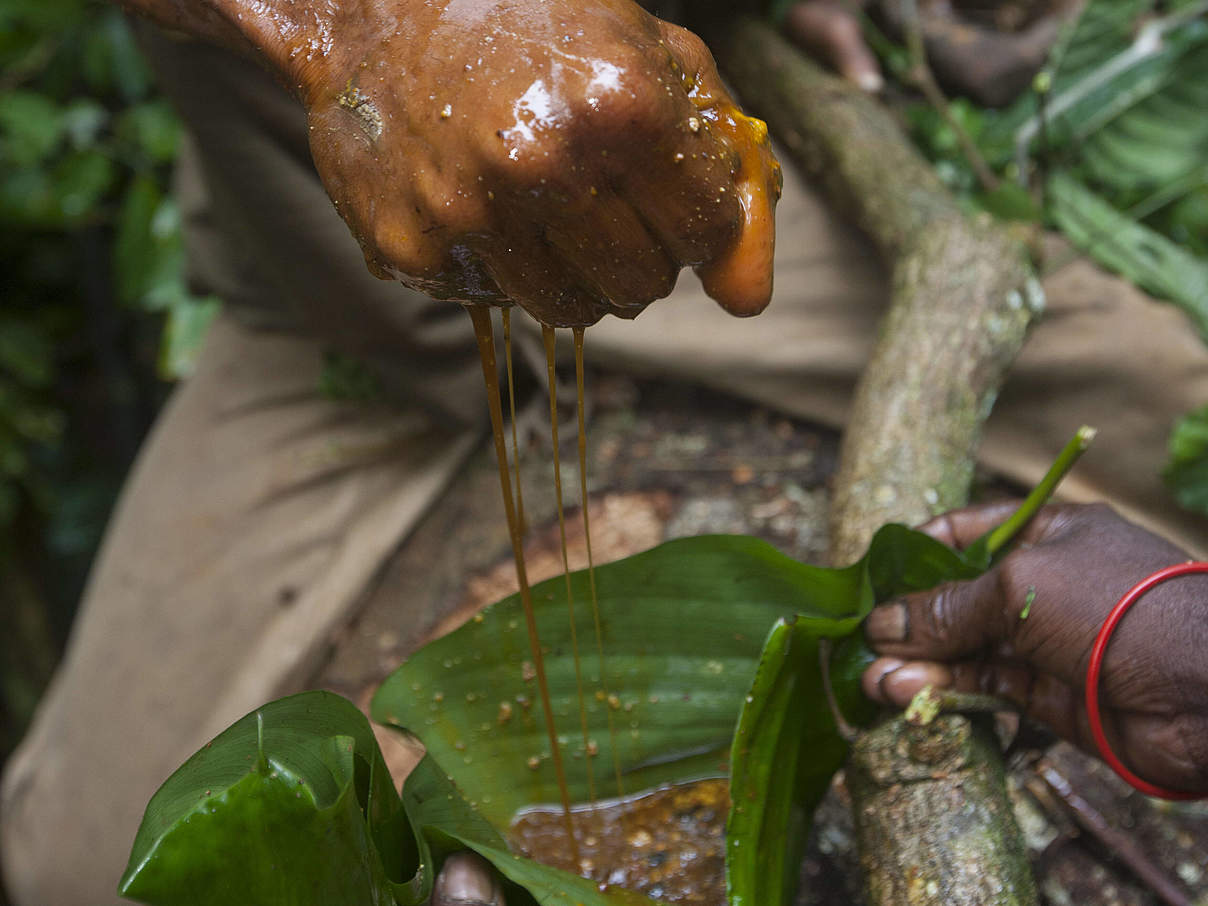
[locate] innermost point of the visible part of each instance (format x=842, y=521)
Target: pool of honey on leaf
x=668, y=844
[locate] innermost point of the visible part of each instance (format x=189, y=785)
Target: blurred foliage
x=1187, y=472
x=1111, y=148
x=91, y=253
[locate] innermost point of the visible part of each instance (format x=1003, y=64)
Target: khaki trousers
x=258, y=511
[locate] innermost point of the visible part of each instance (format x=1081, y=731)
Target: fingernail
x=875, y=673
x=902, y=684
x=467, y=879
x=886, y=624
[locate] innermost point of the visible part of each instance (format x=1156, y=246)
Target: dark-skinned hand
x=1073, y=563
x=569, y=156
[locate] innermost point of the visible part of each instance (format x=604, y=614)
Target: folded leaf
x=243, y=820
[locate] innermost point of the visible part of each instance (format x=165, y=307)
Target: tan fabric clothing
x=258, y=511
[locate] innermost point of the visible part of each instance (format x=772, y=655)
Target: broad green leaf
x=111, y=60
x=246, y=819
x=293, y=806
x=136, y=254
x=1121, y=244
x=683, y=626
x=1160, y=137
x=1186, y=472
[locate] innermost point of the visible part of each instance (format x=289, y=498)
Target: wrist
x=1190, y=575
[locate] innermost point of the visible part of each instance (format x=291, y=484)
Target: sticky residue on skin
x=369, y=118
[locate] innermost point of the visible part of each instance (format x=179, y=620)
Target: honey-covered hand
x=570, y=157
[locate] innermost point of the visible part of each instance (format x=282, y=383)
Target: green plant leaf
x=683, y=625
x=243, y=819
x=31, y=125
x=1186, y=472
x=152, y=128
x=293, y=806
x=1132, y=249
x=787, y=745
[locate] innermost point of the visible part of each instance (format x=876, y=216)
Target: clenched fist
x=569, y=156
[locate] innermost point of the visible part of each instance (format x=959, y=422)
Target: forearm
x=297, y=39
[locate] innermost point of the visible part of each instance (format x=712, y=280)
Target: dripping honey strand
x=550, y=340
x=485, y=336
x=591, y=566
x=507, y=357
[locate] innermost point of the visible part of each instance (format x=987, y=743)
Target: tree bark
x=933, y=819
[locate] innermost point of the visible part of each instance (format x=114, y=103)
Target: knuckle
x=940, y=613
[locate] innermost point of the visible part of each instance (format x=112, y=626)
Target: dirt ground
x=668, y=461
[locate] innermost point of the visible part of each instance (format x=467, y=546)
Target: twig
x=1002, y=535
x=1121, y=845
x=923, y=77
x=846, y=730
x=930, y=702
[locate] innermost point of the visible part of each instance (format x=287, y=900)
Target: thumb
x=467, y=879
x=740, y=278
x=956, y=621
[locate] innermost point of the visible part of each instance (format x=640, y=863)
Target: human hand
x=1024, y=631
x=570, y=157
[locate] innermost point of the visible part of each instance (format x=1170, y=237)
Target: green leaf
x=1161, y=136
x=111, y=60
x=243, y=820
x=682, y=624
x=787, y=745
x=152, y=128
x=1186, y=472
x=1132, y=249
x=81, y=179
x=31, y=125
x=682, y=629
x=293, y=806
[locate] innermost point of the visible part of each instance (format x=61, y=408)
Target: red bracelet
x=1092, y=677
